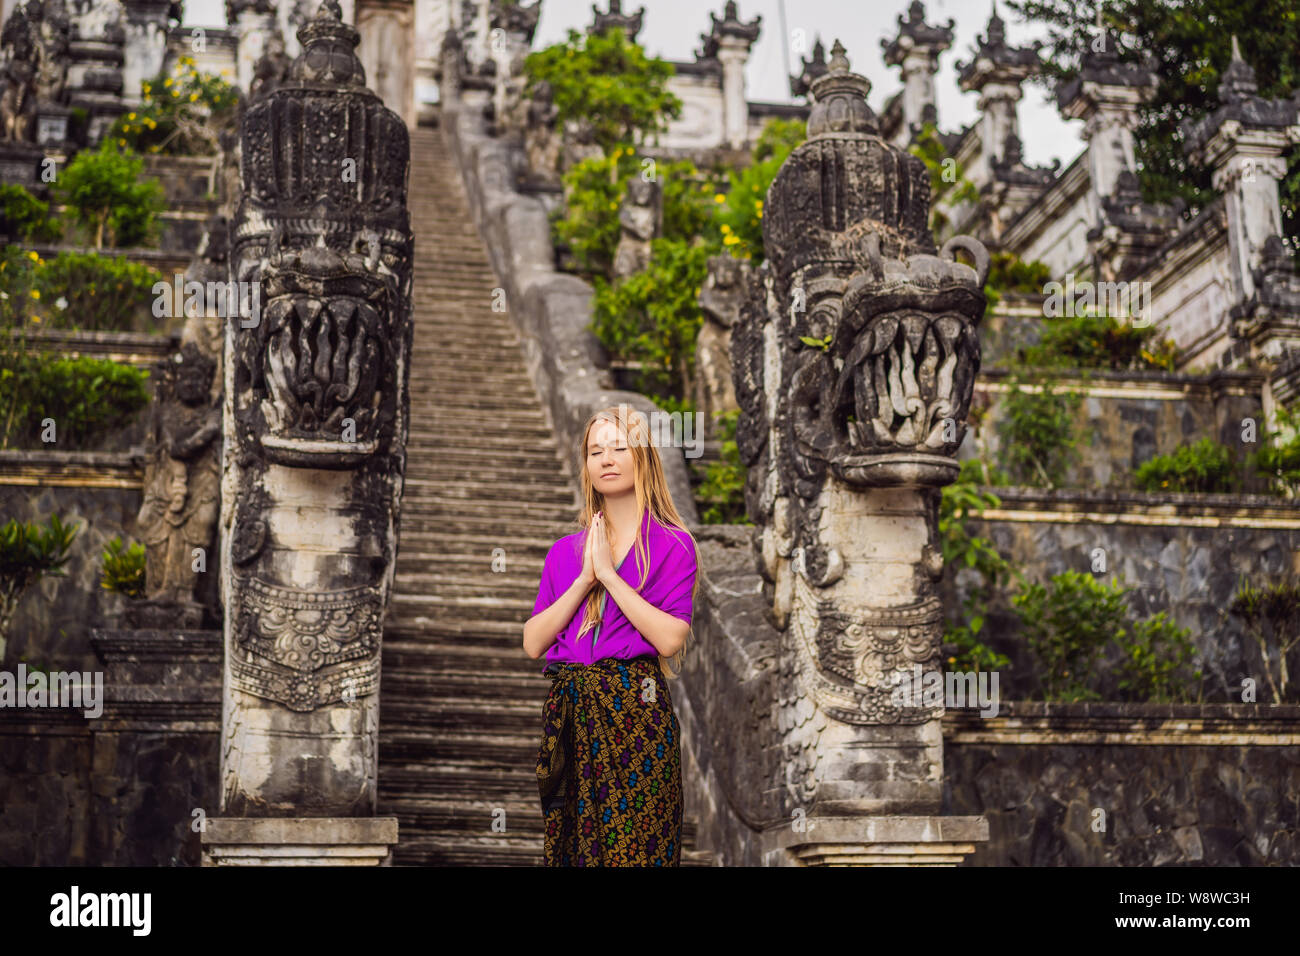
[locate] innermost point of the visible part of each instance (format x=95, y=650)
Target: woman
x=615, y=601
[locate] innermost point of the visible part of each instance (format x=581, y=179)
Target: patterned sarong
x=609, y=770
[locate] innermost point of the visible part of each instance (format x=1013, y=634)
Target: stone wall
x=1127, y=418
x=1128, y=784
x=1180, y=553
x=100, y=491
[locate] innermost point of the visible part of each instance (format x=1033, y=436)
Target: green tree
x=608, y=84
x=1191, y=43
x=739, y=216
x=107, y=198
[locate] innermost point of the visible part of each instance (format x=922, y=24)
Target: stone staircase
x=460, y=702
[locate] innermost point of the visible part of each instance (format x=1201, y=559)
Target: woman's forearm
x=665, y=632
x=541, y=630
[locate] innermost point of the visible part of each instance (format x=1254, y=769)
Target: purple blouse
x=668, y=587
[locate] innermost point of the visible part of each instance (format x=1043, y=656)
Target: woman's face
x=609, y=460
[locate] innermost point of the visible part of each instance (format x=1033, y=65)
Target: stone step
x=459, y=658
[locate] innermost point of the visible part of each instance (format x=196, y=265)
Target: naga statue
x=854, y=360
x=316, y=418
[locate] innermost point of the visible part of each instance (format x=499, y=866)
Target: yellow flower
x=952, y=660
x=167, y=82
x=130, y=116
x=193, y=97
x=730, y=241
x=36, y=319
x=35, y=293
x=726, y=228
x=719, y=198
x=33, y=256
x=121, y=142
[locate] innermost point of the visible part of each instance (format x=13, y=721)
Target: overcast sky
x=672, y=29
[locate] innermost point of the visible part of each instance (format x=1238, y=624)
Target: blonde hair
x=652, y=495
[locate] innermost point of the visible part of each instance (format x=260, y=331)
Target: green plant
x=19, y=297
x=588, y=227
x=29, y=552
x=180, y=114
x=1272, y=616
x=1071, y=622
x=739, y=216
x=122, y=569
x=945, y=176
x=653, y=317
x=1205, y=466
x=1009, y=273
x=1154, y=661
x=977, y=471
x=1097, y=341
x=101, y=293
x=608, y=84
x=961, y=501
x=25, y=217
x=86, y=398
x=1280, y=461
x=1066, y=626
x=1039, y=441
x=107, y=199
x=721, y=493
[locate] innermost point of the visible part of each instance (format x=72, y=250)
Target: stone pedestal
x=20, y=163
x=299, y=841
x=878, y=841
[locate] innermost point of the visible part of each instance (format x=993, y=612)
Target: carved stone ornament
x=318, y=404
x=854, y=360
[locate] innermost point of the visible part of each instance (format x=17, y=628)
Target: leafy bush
x=28, y=552
x=1281, y=462
x=25, y=217
x=180, y=115
x=739, y=216
x=1272, y=617
x=653, y=317
x=593, y=190
x=87, y=398
x=945, y=176
x=1009, y=273
x=1038, y=435
x=721, y=493
x=108, y=294
x=122, y=570
x=76, y=290
x=1206, y=466
x=106, y=198
x=1095, y=341
x=1069, y=624
x=19, y=296
x=961, y=549
x=1155, y=661
x=608, y=84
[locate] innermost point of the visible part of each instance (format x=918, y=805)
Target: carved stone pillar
x=720, y=298
x=916, y=51
x=253, y=22
x=848, y=441
x=315, y=422
x=387, y=52
x=1243, y=141
x=146, y=42
x=729, y=42
x=95, y=59
x=513, y=26
x=996, y=72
